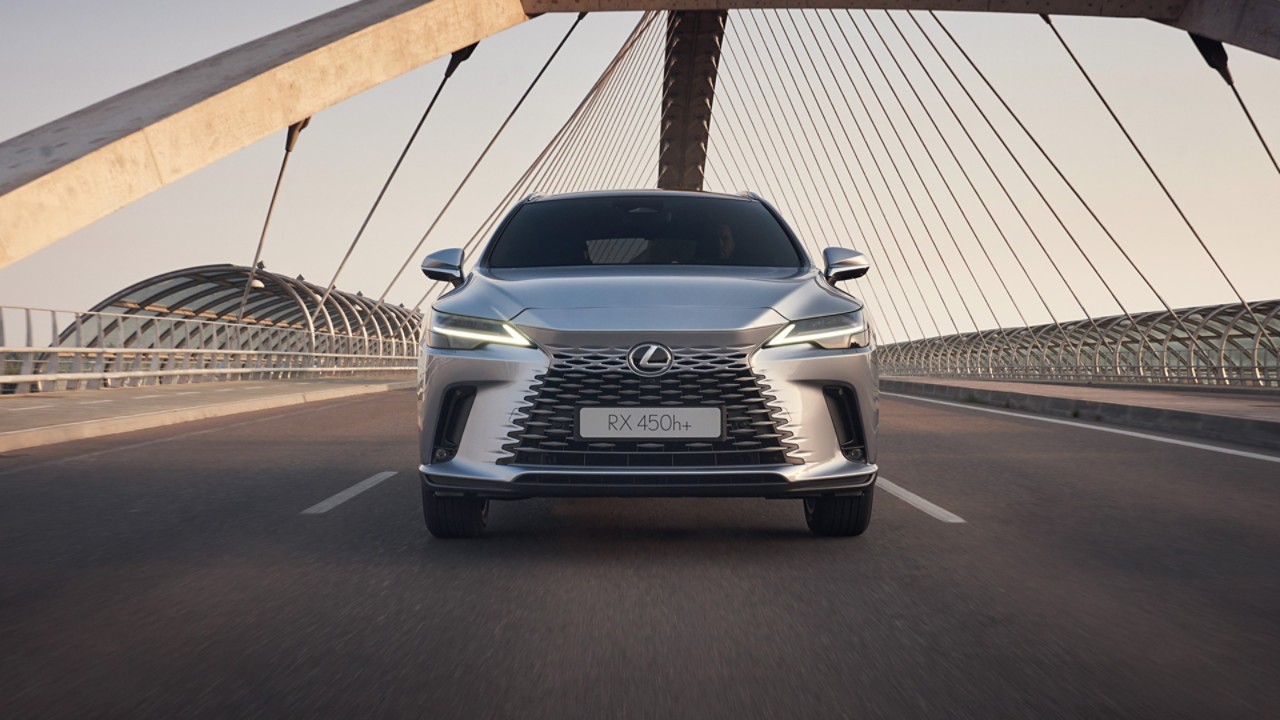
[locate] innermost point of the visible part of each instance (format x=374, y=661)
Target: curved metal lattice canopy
x=1220, y=344
x=214, y=292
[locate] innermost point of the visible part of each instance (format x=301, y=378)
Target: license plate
x=653, y=423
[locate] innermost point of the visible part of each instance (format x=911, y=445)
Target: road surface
x=270, y=565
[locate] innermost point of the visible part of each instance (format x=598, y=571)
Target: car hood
x=628, y=297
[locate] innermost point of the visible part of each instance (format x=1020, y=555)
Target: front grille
x=599, y=377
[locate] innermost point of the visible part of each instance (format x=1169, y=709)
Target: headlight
x=833, y=332
x=459, y=332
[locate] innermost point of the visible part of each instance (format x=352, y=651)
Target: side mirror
x=444, y=265
x=844, y=264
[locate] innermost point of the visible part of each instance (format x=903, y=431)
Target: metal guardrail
x=1223, y=345
x=67, y=350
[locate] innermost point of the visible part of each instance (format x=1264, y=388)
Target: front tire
x=454, y=517
x=841, y=515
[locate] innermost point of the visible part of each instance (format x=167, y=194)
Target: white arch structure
x=63, y=176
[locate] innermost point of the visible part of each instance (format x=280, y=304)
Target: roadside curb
x=53, y=434
x=1205, y=426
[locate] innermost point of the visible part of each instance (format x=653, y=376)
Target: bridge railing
x=44, y=350
x=1223, y=345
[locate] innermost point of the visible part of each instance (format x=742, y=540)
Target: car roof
x=638, y=193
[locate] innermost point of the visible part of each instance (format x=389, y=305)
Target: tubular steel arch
x=1226, y=348
x=187, y=325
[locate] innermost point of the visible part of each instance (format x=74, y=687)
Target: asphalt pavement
x=275, y=564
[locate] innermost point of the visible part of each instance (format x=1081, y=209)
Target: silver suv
x=647, y=343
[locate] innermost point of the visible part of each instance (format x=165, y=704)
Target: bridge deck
x=167, y=574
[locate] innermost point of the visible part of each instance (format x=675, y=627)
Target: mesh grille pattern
x=599, y=377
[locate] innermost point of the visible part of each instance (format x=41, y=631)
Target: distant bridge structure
x=802, y=98
x=197, y=324
x=64, y=175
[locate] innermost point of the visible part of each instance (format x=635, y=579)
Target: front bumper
x=543, y=482
x=504, y=378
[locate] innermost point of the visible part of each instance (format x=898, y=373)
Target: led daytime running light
x=786, y=338
x=513, y=336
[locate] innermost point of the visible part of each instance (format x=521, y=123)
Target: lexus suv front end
x=647, y=343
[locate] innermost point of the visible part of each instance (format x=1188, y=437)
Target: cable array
x=880, y=132
x=863, y=129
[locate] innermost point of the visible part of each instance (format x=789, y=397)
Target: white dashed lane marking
x=918, y=502
x=325, y=506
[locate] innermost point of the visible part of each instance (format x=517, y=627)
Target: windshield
x=643, y=230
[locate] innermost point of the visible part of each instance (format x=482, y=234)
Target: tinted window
x=643, y=230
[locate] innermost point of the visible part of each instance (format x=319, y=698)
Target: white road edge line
x=1087, y=426
x=325, y=506
x=917, y=502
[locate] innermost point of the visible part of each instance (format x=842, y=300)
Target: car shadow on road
x=662, y=530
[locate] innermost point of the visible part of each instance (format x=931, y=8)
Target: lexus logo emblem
x=650, y=359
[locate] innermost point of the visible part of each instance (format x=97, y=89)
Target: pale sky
x=60, y=55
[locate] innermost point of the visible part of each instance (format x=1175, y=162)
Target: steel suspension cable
x=579, y=172
x=1017, y=162
x=937, y=168
x=588, y=112
x=1215, y=55
x=884, y=177
x=733, y=158
x=881, y=246
x=791, y=131
x=552, y=157
x=559, y=140
x=804, y=214
x=893, y=163
x=483, y=153
x=551, y=167
x=640, y=158
x=964, y=173
x=844, y=131
x=1048, y=256
x=575, y=169
x=979, y=195
x=729, y=63
x=1256, y=131
x=291, y=139
x=629, y=157
x=1159, y=181
x=840, y=153
x=726, y=119
x=455, y=60
x=994, y=175
x=572, y=140
x=646, y=156
x=759, y=79
x=933, y=202
x=786, y=196
x=871, y=288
